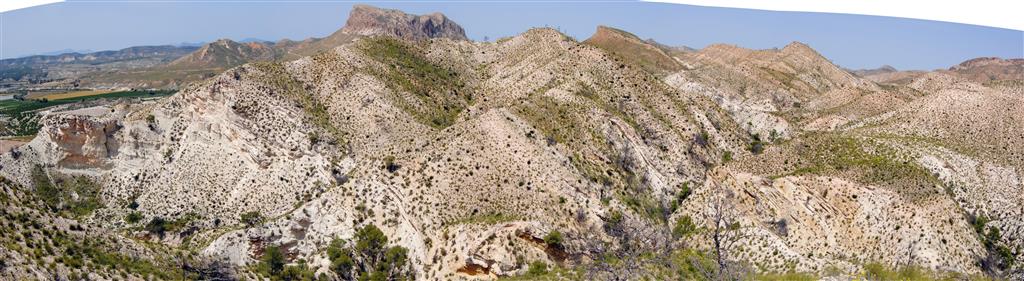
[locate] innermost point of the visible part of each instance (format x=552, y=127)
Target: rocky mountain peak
x=799, y=48
x=225, y=53
x=369, y=20
x=604, y=31
x=647, y=55
x=224, y=42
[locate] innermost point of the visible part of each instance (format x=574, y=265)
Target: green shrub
x=553, y=238
x=990, y=237
x=537, y=268
x=271, y=262
x=276, y=76
x=389, y=164
x=439, y=92
x=341, y=258
x=877, y=271
x=979, y=223
x=157, y=226
x=614, y=219
x=684, y=192
x=133, y=217
x=684, y=227
x=756, y=146
x=251, y=219
x=73, y=197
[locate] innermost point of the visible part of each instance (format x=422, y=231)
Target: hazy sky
x=848, y=40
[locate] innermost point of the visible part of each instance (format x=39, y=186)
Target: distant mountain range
x=163, y=53
x=171, y=66
x=60, y=52
x=978, y=70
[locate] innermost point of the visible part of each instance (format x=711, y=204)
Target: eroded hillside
x=480, y=160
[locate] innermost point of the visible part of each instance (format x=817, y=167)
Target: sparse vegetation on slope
x=534, y=158
x=278, y=78
x=432, y=94
x=35, y=236
x=631, y=48
x=73, y=196
x=862, y=159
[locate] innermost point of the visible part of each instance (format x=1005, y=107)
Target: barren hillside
x=536, y=156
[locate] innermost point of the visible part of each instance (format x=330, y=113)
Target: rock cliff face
x=80, y=141
x=368, y=20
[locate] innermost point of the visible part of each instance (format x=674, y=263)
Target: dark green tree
x=299, y=272
x=157, y=226
x=272, y=261
x=251, y=219
x=368, y=257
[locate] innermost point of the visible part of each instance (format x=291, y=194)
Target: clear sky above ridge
x=848, y=40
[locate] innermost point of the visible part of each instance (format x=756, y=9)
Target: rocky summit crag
x=369, y=20
x=535, y=157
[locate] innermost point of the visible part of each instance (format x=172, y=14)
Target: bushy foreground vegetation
x=34, y=229
x=366, y=257
x=71, y=197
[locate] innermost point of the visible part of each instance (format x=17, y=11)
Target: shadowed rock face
x=368, y=20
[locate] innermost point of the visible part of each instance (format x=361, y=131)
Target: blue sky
x=850, y=41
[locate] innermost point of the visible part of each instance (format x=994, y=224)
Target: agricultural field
x=65, y=95
x=20, y=118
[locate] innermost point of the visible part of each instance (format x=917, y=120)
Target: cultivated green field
x=20, y=118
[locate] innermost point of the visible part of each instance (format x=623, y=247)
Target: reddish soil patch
x=555, y=252
x=473, y=269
